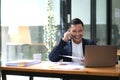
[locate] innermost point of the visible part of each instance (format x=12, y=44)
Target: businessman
x=72, y=44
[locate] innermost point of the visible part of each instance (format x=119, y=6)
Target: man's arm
x=57, y=51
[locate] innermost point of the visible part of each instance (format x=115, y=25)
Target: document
x=67, y=66
x=22, y=63
x=73, y=57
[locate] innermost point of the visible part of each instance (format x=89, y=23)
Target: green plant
x=50, y=29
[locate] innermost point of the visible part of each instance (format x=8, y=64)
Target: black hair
x=76, y=21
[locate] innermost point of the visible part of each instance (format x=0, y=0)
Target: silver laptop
x=100, y=56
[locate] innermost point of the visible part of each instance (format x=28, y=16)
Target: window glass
x=27, y=26
x=116, y=23
x=101, y=27
x=81, y=9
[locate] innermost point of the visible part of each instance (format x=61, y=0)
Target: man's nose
x=78, y=33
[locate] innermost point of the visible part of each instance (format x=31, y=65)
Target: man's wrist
x=65, y=39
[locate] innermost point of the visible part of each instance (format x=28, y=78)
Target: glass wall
x=27, y=26
x=116, y=23
x=81, y=9
x=101, y=27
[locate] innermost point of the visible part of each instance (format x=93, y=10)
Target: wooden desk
x=48, y=70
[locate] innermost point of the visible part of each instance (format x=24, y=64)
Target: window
x=115, y=23
x=25, y=28
x=81, y=9
x=101, y=27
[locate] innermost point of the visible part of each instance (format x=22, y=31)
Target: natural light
x=23, y=12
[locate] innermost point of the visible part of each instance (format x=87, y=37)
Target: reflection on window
x=115, y=37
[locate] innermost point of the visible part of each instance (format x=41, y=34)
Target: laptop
x=100, y=55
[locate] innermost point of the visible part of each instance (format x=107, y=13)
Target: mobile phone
x=69, y=36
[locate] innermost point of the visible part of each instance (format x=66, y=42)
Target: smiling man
x=72, y=44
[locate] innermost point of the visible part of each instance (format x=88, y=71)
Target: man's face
x=76, y=33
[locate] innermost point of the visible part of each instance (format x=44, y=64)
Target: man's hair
x=76, y=21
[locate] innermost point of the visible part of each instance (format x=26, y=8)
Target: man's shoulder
x=89, y=41
x=85, y=39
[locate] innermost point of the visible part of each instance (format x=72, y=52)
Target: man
x=72, y=44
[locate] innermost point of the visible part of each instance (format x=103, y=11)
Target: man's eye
x=80, y=31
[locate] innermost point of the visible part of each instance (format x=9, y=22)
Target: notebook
x=100, y=55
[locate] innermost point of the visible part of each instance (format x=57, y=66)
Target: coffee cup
x=37, y=56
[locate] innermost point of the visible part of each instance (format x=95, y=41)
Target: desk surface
x=52, y=68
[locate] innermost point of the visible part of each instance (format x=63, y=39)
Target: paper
x=22, y=63
x=73, y=57
x=67, y=66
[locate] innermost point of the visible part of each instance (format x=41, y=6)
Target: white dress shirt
x=77, y=51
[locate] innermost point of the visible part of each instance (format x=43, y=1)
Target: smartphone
x=69, y=36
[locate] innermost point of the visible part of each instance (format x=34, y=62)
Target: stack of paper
x=22, y=62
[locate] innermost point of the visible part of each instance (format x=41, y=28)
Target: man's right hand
x=67, y=36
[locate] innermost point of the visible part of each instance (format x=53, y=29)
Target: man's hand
x=82, y=60
x=67, y=36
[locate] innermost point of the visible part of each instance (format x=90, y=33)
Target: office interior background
x=36, y=26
